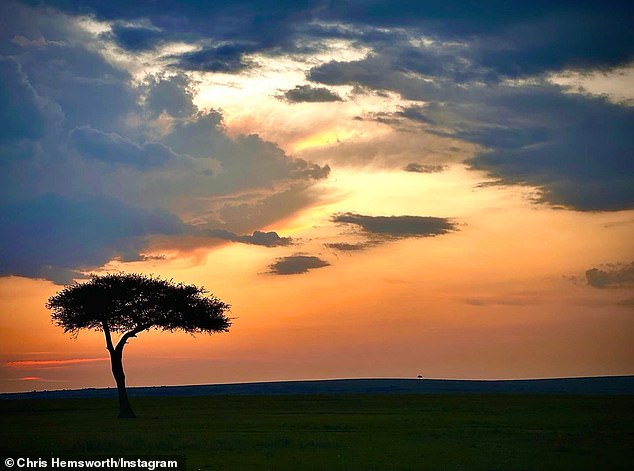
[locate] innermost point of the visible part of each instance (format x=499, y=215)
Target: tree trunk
x=116, y=353
x=125, y=411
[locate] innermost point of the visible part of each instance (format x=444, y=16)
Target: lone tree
x=128, y=303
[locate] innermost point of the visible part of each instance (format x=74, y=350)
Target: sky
x=377, y=188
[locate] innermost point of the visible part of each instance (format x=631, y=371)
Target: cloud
x=438, y=71
x=414, y=113
x=503, y=42
x=310, y=94
x=397, y=226
x=246, y=212
x=575, y=148
x=169, y=95
x=225, y=29
x=424, y=168
x=21, y=114
x=245, y=21
x=96, y=162
x=50, y=236
x=227, y=58
x=114, y=149
x=620, y=275
x=247, y=161
x=296, y=264
x=583, y=34
x=136, y=37
x=266, y=239
x=512, y=42
x=348, y=247
x=89, y=90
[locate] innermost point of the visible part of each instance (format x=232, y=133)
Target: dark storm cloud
x=228, y=58
x=310, y=94
x=575, y=148
x=136, y=38
x=296, y=264
x=371, y=72
x=525, y=39
x=21, y=114
x=415, y=113
x=621, y=275
x=397, y=226
x=266, y=239
x=85, y=145
x=89, y=90
x=238, y=26
x=508, y=41
x=594, y=37
x=381, y=71
x=112, y=148
x=382, y=229
x=51, y=236
x=169, y=95
x=424, y=168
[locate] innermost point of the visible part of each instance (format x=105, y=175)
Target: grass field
x=336, y=432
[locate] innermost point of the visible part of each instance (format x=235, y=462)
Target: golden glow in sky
x=470, y=304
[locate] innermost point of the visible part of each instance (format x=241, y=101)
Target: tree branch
x=106, y=333
x=128, y=335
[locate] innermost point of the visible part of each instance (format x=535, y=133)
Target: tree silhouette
x=129, y=303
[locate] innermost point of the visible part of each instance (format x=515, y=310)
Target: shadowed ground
x=336, y=432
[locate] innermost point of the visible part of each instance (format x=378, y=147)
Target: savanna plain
x=335, y=432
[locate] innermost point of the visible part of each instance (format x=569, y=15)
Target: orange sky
x=505, y=296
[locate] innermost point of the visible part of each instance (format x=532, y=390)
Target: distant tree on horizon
x=130, y=303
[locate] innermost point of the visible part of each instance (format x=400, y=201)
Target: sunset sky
x=378, y=188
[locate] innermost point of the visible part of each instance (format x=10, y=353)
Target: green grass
x=331, y=432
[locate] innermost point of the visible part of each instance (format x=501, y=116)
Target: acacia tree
x=127, y=304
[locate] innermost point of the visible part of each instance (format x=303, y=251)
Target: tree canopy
x=129, y=301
